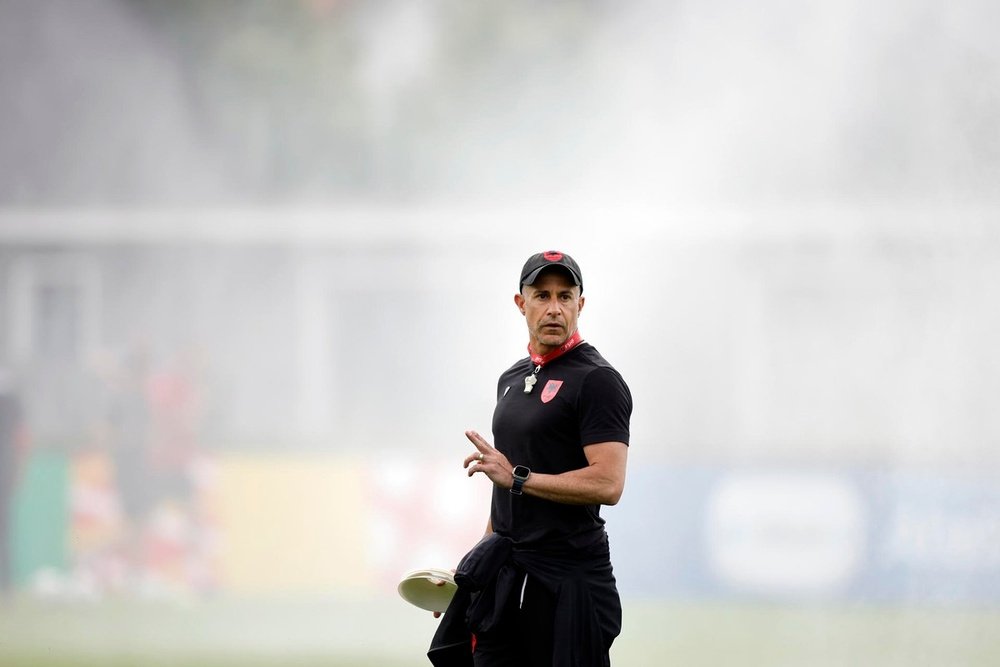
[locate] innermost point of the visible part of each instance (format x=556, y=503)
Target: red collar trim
x=571, y=342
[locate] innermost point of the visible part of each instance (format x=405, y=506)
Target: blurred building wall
x=855, y=341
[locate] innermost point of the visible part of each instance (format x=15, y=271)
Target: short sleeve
x=605, y=407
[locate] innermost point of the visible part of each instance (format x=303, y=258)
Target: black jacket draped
x=588, y=615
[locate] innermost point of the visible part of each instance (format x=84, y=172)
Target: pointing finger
x=479, y=441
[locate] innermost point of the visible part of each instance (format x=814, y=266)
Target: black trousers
x=524, y=636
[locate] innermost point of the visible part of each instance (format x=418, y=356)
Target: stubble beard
x=551, y=339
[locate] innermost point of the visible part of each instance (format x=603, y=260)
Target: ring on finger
x=480, y=457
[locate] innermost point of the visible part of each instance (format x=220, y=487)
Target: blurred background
x=257, y=262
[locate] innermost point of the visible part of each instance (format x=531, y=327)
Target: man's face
x=551, y=308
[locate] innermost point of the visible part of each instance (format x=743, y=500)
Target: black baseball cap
x=543, y=260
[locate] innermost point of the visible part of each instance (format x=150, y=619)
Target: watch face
x=521, y=471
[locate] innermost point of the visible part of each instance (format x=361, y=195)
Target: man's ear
x=580, y=309
x=519, y=301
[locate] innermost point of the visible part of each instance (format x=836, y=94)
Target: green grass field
x=388, y=633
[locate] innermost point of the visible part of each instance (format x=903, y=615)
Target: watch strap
x=519, y=480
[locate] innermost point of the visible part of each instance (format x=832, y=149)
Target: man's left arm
x=600, y=482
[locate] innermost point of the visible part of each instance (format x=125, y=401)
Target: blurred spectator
x=174, y=541
x=129, y=421
x=13, y=448
x=122, y=439
x=175, y=412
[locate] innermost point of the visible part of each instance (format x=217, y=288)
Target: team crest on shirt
x=550, y=390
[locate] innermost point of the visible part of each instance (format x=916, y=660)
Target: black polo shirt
x=579, y=400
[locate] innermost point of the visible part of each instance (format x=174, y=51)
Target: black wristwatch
x=520, y=477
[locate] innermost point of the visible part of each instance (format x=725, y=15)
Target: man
x=539, y=589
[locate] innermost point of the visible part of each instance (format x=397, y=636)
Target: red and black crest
x=550, y=390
